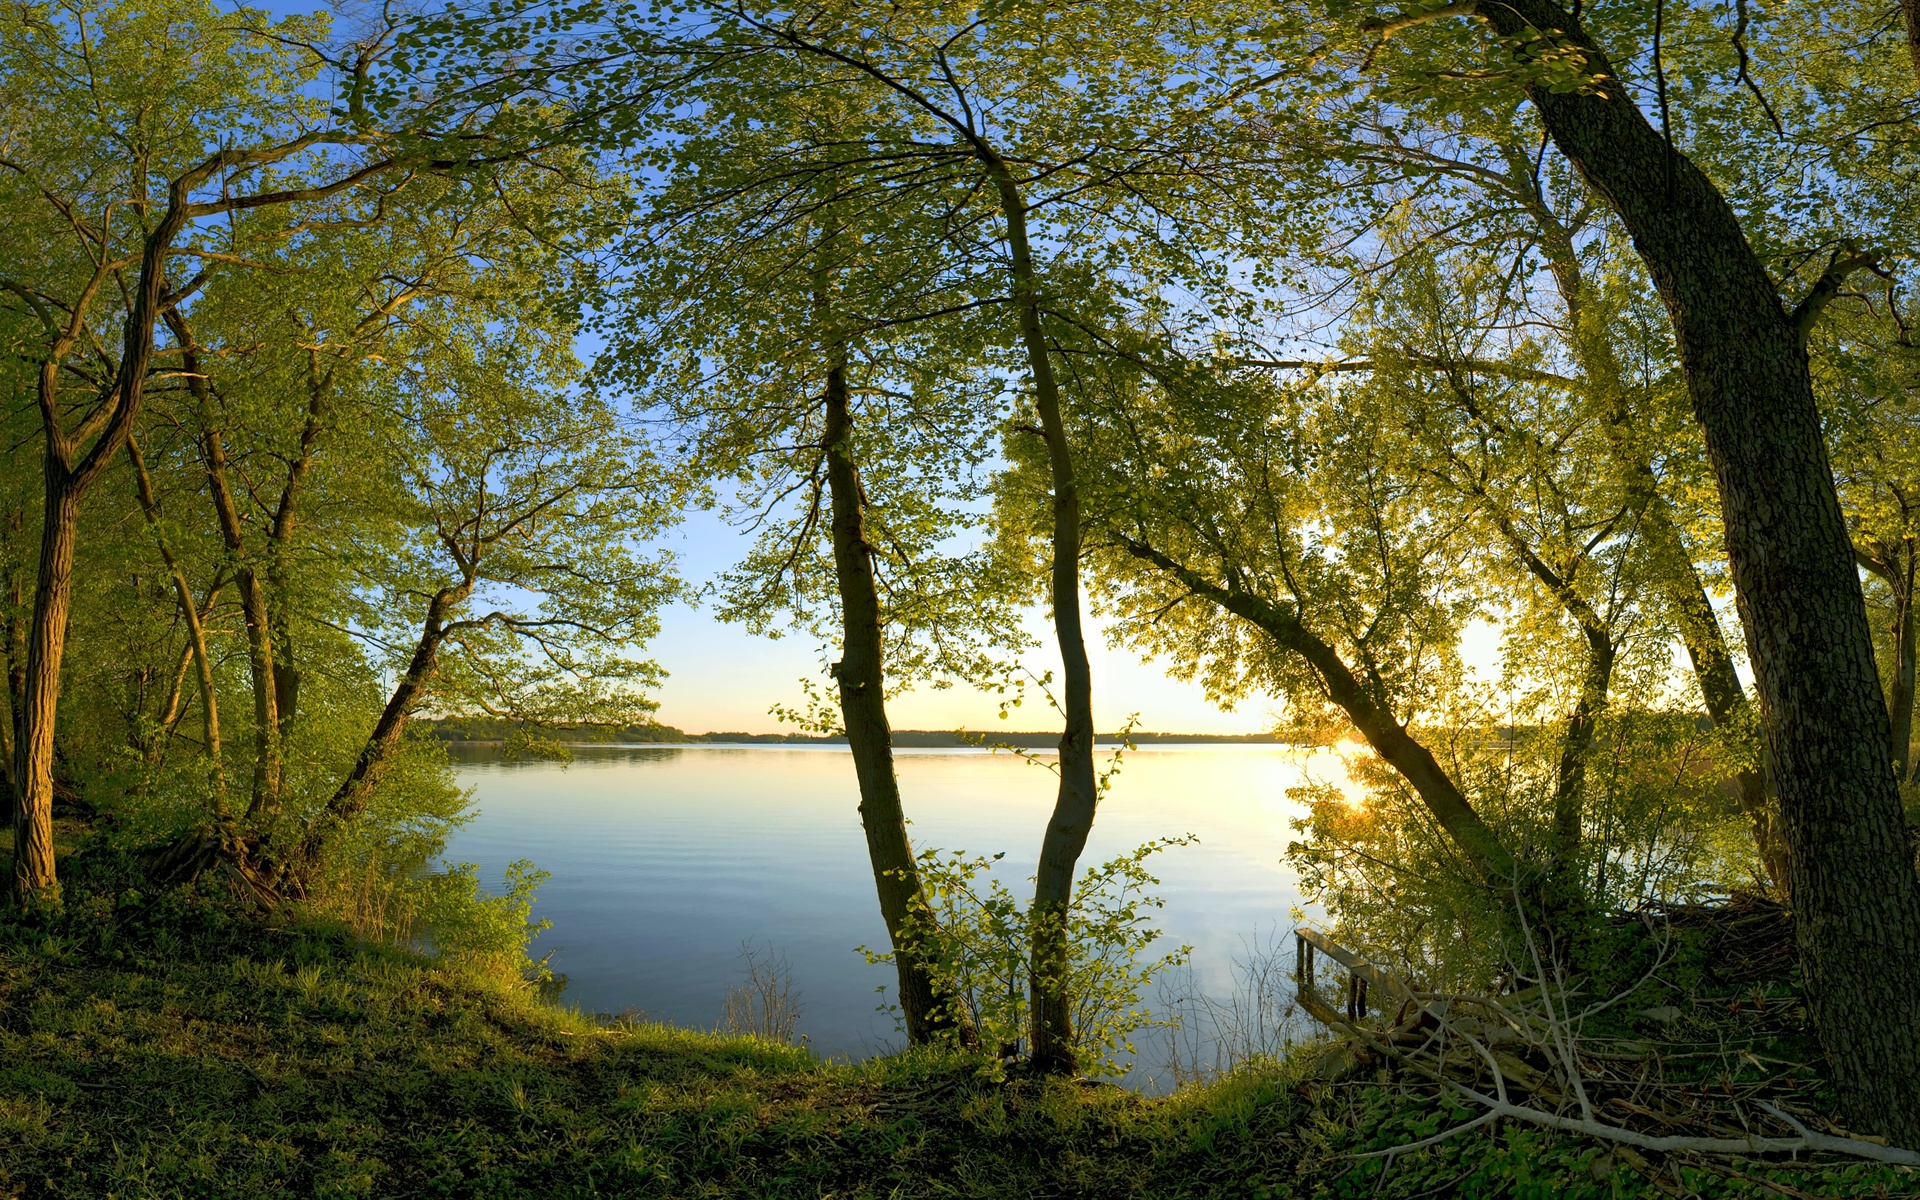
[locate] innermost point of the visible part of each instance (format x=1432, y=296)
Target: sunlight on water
x=666, y=859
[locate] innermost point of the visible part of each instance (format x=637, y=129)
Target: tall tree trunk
x=1856, y=897
x=264, y=799
x=286, y=668
x=190, y=614
x=861, y=676
x=34, y=881
x=1052, y=1048
x=71, y=466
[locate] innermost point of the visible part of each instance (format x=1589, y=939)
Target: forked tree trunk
x=70, y=468
x=1856, y=898
x=861, y=677
x=1052, y=1048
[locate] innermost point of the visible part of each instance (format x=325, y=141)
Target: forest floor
x=171, y=1045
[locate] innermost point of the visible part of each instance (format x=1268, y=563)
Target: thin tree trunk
x=1676, y=578
x=286, y=671
x=264, y=799
x=1583, y=723
x=1894, y=564
x=1712, y=662
x=1491, y=860
x=1856, y=897
x=173, y=710
x=189, y=613
x=861, y=676
x=1052, y=1048
x=1576, y=748
x=350, y=798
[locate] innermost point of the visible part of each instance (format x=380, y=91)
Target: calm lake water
x=666, y=859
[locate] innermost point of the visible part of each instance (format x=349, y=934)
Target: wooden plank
x=1376, y=977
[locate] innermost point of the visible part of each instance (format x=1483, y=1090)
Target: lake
x=666, y=860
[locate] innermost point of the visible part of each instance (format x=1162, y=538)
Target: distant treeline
x=494, y=729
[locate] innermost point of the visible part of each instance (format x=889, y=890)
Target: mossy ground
x=170, y=1045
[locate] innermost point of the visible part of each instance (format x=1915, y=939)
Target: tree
x=854, y=447
x=1743, y=356
x=518, y=578
x=1864, y=369
x=1074, y=160
x=119, y=166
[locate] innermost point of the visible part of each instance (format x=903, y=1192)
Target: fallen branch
x=1417, y=1039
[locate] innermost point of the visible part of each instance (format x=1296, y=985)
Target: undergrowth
x=176, y=1044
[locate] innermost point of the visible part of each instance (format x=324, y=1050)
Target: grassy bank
x=169, y=1045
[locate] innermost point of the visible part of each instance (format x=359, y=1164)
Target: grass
x=169, y=1045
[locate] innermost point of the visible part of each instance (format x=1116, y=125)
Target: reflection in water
x=666, y=859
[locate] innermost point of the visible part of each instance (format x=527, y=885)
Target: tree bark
x=1052, y=1048
x=286, y=671
x=34, y=880
x=1856, y=897
x=190, y=614
x=264, y=799
x=860, y=675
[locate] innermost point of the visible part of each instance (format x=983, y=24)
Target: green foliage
x=462, y=921
x=1663, y=832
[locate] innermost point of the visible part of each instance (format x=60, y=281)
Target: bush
x=977, y=935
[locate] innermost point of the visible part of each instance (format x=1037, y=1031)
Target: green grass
x=169, y=1046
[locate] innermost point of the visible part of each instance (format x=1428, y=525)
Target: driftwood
x=1524, y=1057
